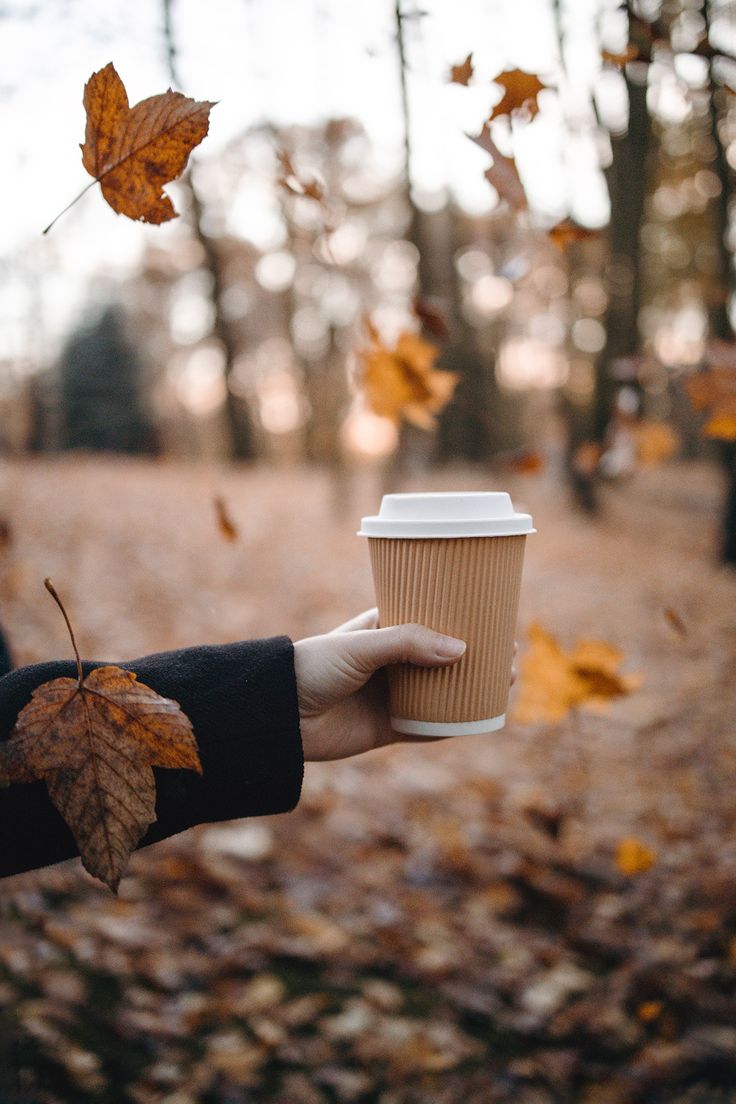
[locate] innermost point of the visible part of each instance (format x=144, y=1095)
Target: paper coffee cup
x=451, y=561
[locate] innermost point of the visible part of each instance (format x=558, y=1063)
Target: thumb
x=370, y=649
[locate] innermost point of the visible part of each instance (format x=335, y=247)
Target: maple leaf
x=94, y=741
x=503, y=174
x=225, y=523
x=714, y=391
x=553, y=682
x=402, y=382
x=566, y=232
x=461, y=74
x=634, y=857
x=520, y=91
x=133, y=151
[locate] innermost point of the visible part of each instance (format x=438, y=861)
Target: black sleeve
x=241, y=700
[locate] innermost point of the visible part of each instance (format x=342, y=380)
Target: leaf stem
x=86, y=188
x=52, y=591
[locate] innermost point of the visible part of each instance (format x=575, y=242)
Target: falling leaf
x=503, y=174
x=713, y=391
x=619, y=60
x=225, y=523
x=520, y=91
x=675, y=622
x=133, y=152
x=525, y=462
x=586, y=458
x=655, y=442
x=553, y=682
x=402, y=382
x=461, y=74
x=94, y=741
x=567, y=232
x=292, y=181
x=432, y=317
x=634, y=857
x=649, y=1010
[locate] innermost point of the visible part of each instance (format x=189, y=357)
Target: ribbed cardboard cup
x=452, y=562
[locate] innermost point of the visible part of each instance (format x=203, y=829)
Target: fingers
x=373, y=648
x=366, y=620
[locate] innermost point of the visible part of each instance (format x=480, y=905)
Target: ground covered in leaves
x=435, y=923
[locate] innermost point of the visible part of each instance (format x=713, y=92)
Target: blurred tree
x=101, y=390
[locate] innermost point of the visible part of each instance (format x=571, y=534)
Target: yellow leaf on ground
x=634, y=857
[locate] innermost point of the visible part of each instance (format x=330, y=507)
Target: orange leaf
x=567, y=232
x=649, y=1010
x=503, y=174
x=225, y=523
x=461, y=74
x=94, y=741
x=619, y=60
x=133, y=152
x=553, y=682
x=634, y=857
x=525, y=462
x=520, y=90
x=714, y=391
x=402, y=382
x=655, y=442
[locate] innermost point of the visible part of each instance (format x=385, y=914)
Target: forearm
x=241, y=699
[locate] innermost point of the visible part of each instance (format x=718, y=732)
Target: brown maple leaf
x=503, y=174
x=94, y=741
x=225, y=523
x=133, y=151
x=520, y=91
x=566, y=232
x=402, y=382
x=461, y=74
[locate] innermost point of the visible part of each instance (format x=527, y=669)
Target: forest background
x=194, y=417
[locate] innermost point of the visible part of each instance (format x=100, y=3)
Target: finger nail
x=449, y=647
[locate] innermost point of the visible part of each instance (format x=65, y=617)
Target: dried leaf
x=94, y=741
x=461, y=74
x=655, y=442
x=432, y=317
x=296, y=184
x=402, y=382
x=525, y=462
x=634, y=857
x=553, y=682
x=520, y=91
x=225, y=523
x=133, y=152
x=566, y=232
x=675, y=622
x=618, y=61
x=714, y=391
x=503, y=174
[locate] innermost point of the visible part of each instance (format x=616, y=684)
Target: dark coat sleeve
x=241, y=700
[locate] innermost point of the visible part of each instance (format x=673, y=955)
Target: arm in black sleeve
x=241, y=700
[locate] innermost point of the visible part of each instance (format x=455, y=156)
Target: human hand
x=342, y=687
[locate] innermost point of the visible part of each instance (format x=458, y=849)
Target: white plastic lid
x=447, y=514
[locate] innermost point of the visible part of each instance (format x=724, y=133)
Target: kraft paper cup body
x=464, y=585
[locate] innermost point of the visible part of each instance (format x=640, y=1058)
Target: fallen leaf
x=553, y=682
x=655, y=442
x=713, y=391
x=432, y=317
x=520, y=91
x=675, y=622
x=133, y=152
x=619, y=60
x=634, y=857
x=461, y=74
x=503, y=174
x=567, y=232
x=94, y=741
x=402, y=382
x=225, y=523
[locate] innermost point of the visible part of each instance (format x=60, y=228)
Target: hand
x=342, y=689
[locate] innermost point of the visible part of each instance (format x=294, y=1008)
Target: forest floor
x=434, y=924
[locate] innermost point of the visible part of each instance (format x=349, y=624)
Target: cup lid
x=447, y=514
